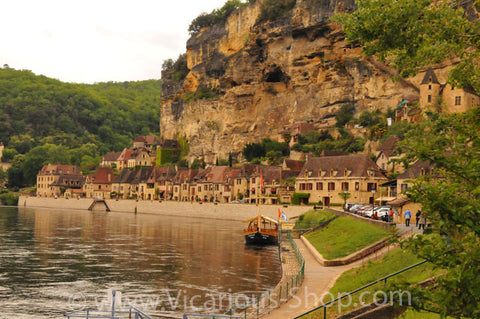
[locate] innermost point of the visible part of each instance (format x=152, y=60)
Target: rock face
x=271, y=75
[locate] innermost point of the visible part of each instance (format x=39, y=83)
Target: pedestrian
x=407, y=216
x=423, y=221
x=390, y=216
x=417, y=217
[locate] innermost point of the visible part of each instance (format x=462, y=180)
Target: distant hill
x=43, y=120
x=109, y=114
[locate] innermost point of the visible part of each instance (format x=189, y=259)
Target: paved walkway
x=319, y=280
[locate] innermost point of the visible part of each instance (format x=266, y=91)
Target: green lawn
x=344, y=236
x=355, y=278
x=313, y=218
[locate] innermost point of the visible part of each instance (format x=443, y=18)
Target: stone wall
x=186, y=209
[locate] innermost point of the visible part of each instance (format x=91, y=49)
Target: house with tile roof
x=58, y=180
x=139, y=157
x=160, y=183
x=148, y=142
x=184, y=186
x=404, y=181
x=325, y=178
x=99, y=185
x=139, y=183
x=386, y=153
x=456, y=100
x=122, y=185
x=122, y=160
x=110, y=159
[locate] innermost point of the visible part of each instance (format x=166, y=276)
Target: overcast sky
x=96, y=40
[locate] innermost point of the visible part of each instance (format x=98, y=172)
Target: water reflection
x=167, y=265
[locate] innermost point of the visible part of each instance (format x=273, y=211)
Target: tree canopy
x=451, y=197
x=40, y=115
x=410, y=34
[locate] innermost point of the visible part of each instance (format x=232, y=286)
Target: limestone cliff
x=271, y=75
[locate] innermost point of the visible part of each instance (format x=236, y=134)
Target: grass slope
x=345, y=236
x=313, y=218
x=352, y=279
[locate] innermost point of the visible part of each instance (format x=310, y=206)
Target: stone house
x=404, y=181
x=184, y=187
x=139, y=157
x=326, y=178
x=209, y=183
x=110, y=159
x=148, y=142
x=387, y=152
x=122, y=160
x=57, y=180
x=139, y=184
x=160, y=182
x=456, y=100
x=99, y=185
x=122, y=185
x=265, y=184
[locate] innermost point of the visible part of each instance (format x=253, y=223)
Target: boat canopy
x=262, y=217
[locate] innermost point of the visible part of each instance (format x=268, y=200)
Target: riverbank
x=239, y=212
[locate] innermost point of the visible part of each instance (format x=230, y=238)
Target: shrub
x=274, y=9
x=9, y=199
x=298, y=197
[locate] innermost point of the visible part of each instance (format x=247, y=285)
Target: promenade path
x=319, y=280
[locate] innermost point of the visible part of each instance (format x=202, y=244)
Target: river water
x=55, y=261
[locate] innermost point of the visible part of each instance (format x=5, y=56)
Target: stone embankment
x=239, y=212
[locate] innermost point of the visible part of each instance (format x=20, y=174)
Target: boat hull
x=259, y=238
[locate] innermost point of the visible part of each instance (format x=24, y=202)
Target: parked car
x=348, y=206
x=356, y=208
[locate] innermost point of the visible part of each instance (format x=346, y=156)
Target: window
x=404, y=187
x=429, y=86
x=345, y=186
x=371, y=187
x=302, y=186
x=205, y=187
x=199, y=188
x=458, y=100
x=429, y=99
x=331, y=186
x=309, y=186
x=239, y=181
x=319, y=186
x=216, y=187
x=253, y=180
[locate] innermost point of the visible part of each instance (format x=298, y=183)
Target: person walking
x=407, y=216
x=417, y=217
x=423, y=221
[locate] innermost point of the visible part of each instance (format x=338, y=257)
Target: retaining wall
x=188, y=209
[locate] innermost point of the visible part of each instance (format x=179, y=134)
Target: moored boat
x=261, y=230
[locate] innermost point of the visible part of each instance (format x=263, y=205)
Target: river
x=55, y=261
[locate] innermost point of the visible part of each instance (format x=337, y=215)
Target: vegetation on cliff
x=217, y=15
x=45, y=120
x=410, y=34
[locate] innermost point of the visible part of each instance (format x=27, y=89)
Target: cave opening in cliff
x=276, y=75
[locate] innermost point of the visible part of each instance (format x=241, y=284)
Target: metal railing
x=384, y=279
x=274, y=297
x=186, y=316
x=132, y=312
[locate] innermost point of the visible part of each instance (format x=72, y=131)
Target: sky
x=92, y=41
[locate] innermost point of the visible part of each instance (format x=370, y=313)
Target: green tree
x=8, y=154
x=409, y=34
x=451, y=197
x=345, y=114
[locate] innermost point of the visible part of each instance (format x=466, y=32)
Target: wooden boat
x=261, y=230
